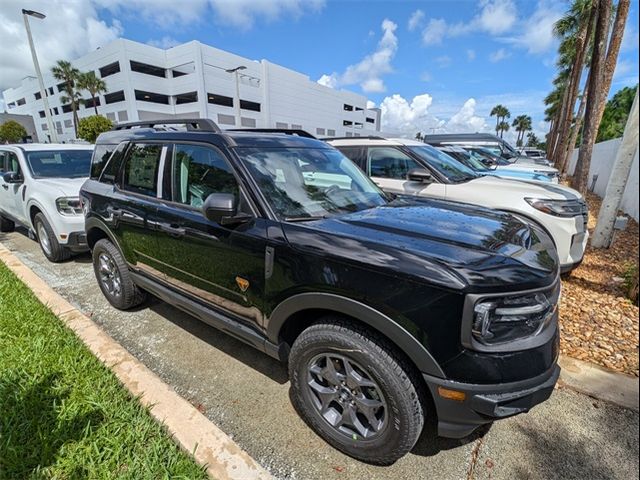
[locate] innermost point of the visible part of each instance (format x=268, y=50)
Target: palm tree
x=94, y=85
x=502, y=127
x=66, y=72
x=501, y=113
x=532, y=140
x=522, y=124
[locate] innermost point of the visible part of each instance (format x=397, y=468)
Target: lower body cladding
x=461, y=408
x=76, y=242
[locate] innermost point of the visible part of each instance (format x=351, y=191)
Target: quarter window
x=387, y=162
x=199, y=171
x=141, y=169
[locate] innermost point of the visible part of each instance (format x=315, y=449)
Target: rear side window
x=199, y=171
x=354, y=154
x=3, y=159
x=388, y=162
x=141, y=169
x=100, y=156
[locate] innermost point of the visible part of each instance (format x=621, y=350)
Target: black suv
x=386, y=309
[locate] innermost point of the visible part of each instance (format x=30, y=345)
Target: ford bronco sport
x=387, y=309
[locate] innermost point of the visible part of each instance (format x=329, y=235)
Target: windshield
x=490, y=155
x=59, y=163
x=448, y=167
x=469, y=159
x=308, y=183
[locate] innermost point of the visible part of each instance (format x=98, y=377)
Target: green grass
x=64, y=415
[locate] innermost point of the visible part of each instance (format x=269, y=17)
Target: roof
x=462, y=137
x=344, y=142
x=33, y=147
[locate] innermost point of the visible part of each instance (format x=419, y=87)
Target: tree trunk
x=566, y=160
x=563, y=106
x=581, y=177
x=95, y=105
x=564, y=131
x=603, y=234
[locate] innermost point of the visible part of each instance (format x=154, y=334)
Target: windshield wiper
x=308, y=218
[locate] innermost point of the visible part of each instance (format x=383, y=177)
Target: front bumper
x=485, y=403
x=77, y=242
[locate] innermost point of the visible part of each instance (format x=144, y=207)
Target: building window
x=50, y=90
x=89, y=103
x=181, y=70
x=282, y=125
x=11, y=105
x=358, y=109
x=331, y=132
x=320, y=131
x=114, y=97
x=21, y=101
x=349, y=134
x=248, y=122
x=111, y=116
x=348, y=108
x=347, y=123
x=110, y=69
x=295, y=126
x=37, y=95
x=123, y=116
x=66, y=108
x=44, y=126
x=68, y=124
x=61, y=86
x=247, y=105
x=219, y=100
x=371, y=120
x=226, y=119
x=147, y=69
x=151, y=97
x=190, y=97
x=59, y=128
x=55, y=110
x=358, y=125
x=41, y=113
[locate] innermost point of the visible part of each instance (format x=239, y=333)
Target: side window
x=109, y=172
x=3, y=160
x=101, y=154
x=352, y=153
x=13, y=165
x=141, y=169
x=197, y=172
x=389, y=162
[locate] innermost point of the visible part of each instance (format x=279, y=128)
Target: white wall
x=604, y=154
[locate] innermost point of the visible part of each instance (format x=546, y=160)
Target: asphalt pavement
x=246, y=393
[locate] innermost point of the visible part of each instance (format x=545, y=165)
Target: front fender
x=364, y=313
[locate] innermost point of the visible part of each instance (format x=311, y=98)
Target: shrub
x=90, y=127
x=12, y=132
x=631, y=282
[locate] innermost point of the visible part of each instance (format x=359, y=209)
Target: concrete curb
x=210, y=446
x=599, y=382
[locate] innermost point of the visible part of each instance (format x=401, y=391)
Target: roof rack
x=287, y=131
x=197, y=124
x=368, y=137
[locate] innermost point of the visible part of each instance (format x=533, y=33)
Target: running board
x=211, y=317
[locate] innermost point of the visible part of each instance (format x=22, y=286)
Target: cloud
x=499, y=55
x=434, y=32
x=630, y=38
x=71, y=29
x=406, y=118
x=164, y=43
x=369, y=71
x=443, y=61
x=471, y=54
x=536, y=33
x=426, y=77
x=416, y=20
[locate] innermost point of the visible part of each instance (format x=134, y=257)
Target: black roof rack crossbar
x=367, y=137
x=197, y=124
x=286, y=131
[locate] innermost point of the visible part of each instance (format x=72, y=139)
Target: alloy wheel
x=109, y=275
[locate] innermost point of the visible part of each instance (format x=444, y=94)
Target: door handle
x=5, y=186
x=173, y=230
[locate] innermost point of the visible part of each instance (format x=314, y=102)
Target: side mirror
x=12, y=177
x=222, y=208
x=419, y=175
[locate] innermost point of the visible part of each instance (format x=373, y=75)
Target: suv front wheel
x=353, y=390
x=48, y=242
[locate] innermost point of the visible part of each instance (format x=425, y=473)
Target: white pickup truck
x=39, y=188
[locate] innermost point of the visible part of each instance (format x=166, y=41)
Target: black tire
x=49, y=244
x=108, y=262
x=401, y=418
x=6, y=225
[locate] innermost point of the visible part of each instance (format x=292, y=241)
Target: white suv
x=411, y=167
x=39, y=188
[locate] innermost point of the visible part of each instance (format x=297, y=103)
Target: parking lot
x=245, y=393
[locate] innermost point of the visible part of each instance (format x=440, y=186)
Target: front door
x=221, y=266
x=11, y=194
x=388, y=168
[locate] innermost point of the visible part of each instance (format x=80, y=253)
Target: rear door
x=388, y=167
x=220, y=266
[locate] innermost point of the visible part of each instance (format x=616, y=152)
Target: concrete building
x=193, y=80
x=26, y=121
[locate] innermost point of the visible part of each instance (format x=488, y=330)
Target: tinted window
x=141, y=169
x=60, y=163
x=199, y=171
x=100, y=156
x=389, y=162
x=448, y=167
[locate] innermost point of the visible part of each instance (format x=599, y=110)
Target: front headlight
x=558, y=208
x=506, y=319
x=69, y=206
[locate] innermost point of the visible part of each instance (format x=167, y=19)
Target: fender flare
x=95, y=223
x=380, y=322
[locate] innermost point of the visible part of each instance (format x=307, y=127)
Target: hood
x=450, y=244
x=522, y=188
x=520, y=174
x=63, y=187
x=529, y=167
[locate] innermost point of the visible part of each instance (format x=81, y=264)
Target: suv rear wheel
x=353, y=390
x=6, y=225
x=48, y=242
x=113, y=276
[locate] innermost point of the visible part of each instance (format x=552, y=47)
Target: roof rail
x=197, y=124
x=287, y=131
x=367, y=137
